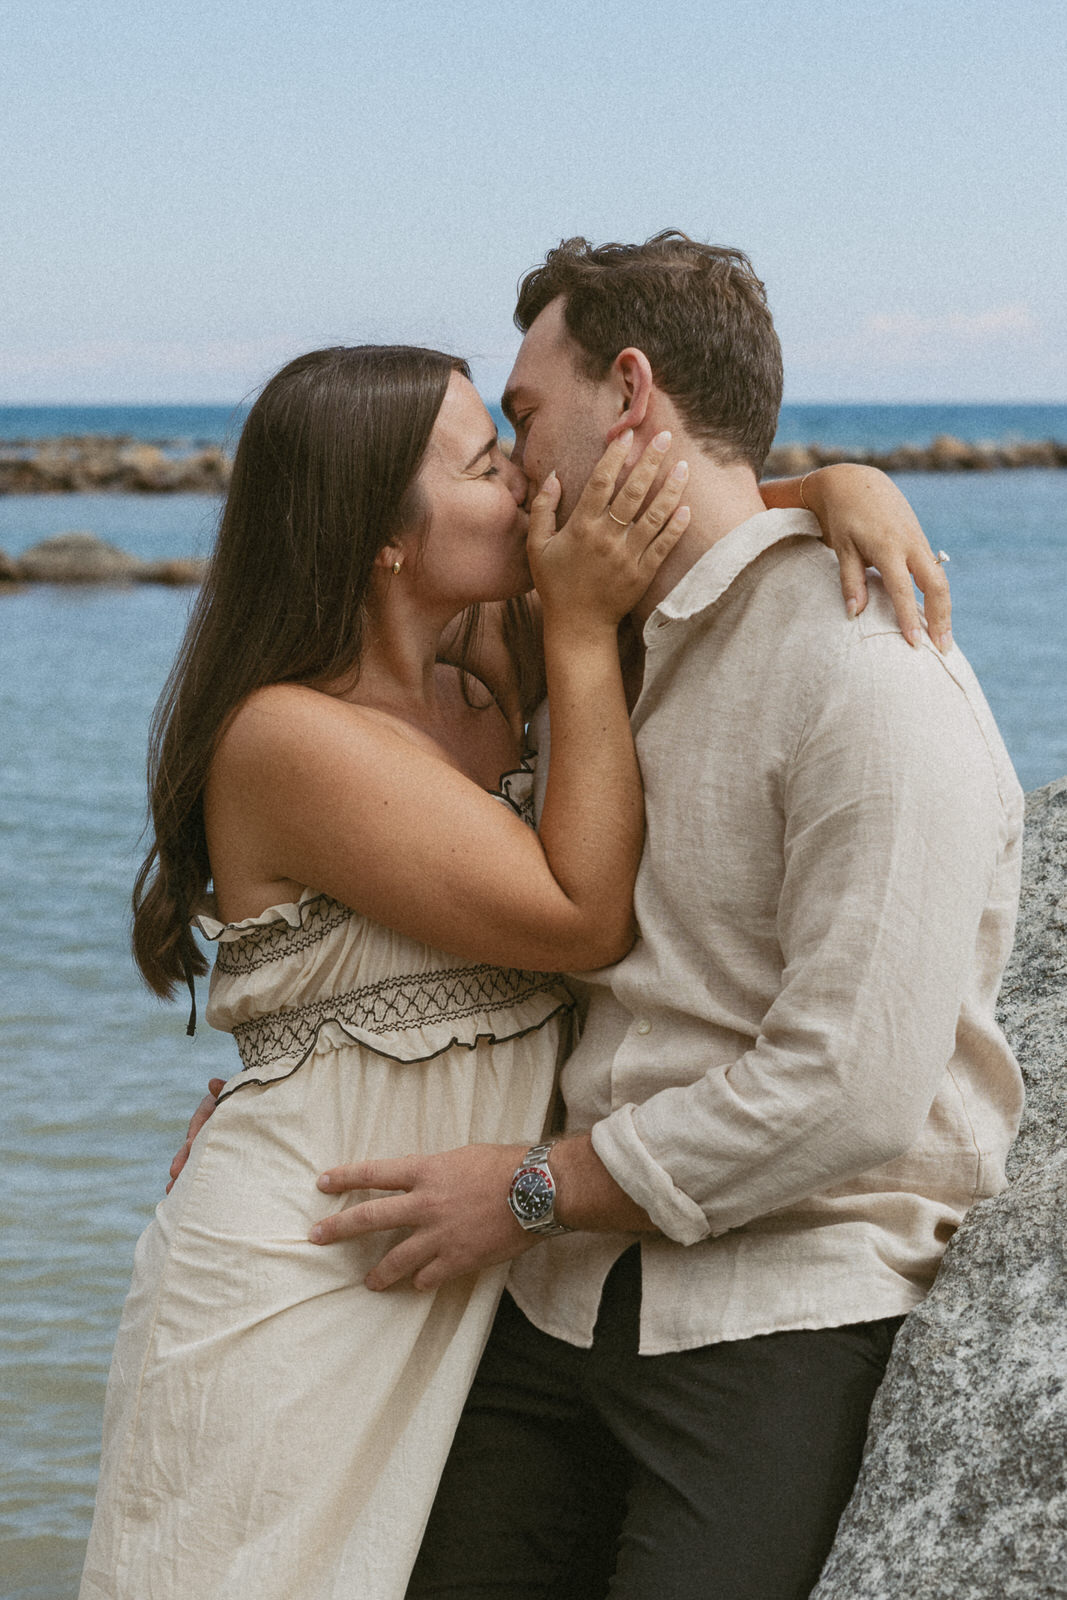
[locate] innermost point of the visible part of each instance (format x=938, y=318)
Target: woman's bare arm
x=867, y=522
x=336, y=796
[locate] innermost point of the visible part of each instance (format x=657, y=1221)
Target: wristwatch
x=532, y=1196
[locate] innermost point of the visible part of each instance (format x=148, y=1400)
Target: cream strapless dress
x=273, y=1430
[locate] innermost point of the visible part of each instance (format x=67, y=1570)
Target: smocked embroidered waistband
x=432, y=1000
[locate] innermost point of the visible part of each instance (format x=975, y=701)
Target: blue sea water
x=882, y=427
x=98, y=1079
x=190, y=425
x=846, y=427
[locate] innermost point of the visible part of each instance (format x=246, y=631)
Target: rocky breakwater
x=963, y=1492
x=945, y=454
x=94, y=464
x=82, y=558
x=91, y=463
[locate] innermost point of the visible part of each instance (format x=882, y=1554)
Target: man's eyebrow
x=484, y=451
x=509, y=400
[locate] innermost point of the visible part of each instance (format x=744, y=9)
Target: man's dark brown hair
x=698, y=312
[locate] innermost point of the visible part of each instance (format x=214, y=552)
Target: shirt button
x=644, y=1026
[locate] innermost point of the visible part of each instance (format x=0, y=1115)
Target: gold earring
x=396, y=567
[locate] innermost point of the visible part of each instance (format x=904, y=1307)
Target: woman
x=312, y=737
x=339, y=785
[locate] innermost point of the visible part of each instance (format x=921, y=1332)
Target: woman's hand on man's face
x=595, y=569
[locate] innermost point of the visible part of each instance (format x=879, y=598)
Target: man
x=793, y=1087
x=789, y=1092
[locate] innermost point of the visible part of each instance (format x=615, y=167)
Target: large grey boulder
x=1033, y=996
x=963, y=1492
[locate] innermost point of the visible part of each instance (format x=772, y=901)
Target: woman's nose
x=516, y=480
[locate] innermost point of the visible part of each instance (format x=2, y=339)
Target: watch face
x=532, y=1194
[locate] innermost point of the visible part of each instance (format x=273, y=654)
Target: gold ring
x=614, y=518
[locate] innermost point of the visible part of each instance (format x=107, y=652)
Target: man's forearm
x=587, y=1196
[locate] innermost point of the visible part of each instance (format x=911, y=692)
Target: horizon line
x=233, y=405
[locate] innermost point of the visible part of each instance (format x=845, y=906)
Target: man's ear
x=632, y=374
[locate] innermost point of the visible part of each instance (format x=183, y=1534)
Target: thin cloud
x=163, y=357
x=1004, y=350
x=958, y=327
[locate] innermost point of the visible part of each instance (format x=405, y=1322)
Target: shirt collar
x=728, y=557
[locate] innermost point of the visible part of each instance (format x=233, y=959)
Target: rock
x=984, y=456
x=83, y=558
x=905, y=458
x=1033, y=995
x=144, y=468
x=963, y=1491
x=1033, y=453
x=947, y=454
x=176, y=573
x=789, y=461
x=77, y=558
x=91, y=464
x=206, y=472
x=54, y=470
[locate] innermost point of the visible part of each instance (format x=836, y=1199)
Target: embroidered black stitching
x=522, y=804
x=393, y=1005
x=565, y=1008
x=275, y=941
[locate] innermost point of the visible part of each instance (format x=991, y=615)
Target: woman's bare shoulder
x=285, y=722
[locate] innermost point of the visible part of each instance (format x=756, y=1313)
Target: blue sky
x=194, y=193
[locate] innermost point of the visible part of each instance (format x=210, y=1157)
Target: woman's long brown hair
x=323, y=476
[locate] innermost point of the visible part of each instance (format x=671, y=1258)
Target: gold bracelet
x=803, y=481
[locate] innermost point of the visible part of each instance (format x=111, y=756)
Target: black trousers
x=711, y=1474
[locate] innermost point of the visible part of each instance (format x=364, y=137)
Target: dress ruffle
x=399, y=998
x=516, y=788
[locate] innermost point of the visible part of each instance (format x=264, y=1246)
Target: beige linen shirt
x=796, y=1071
